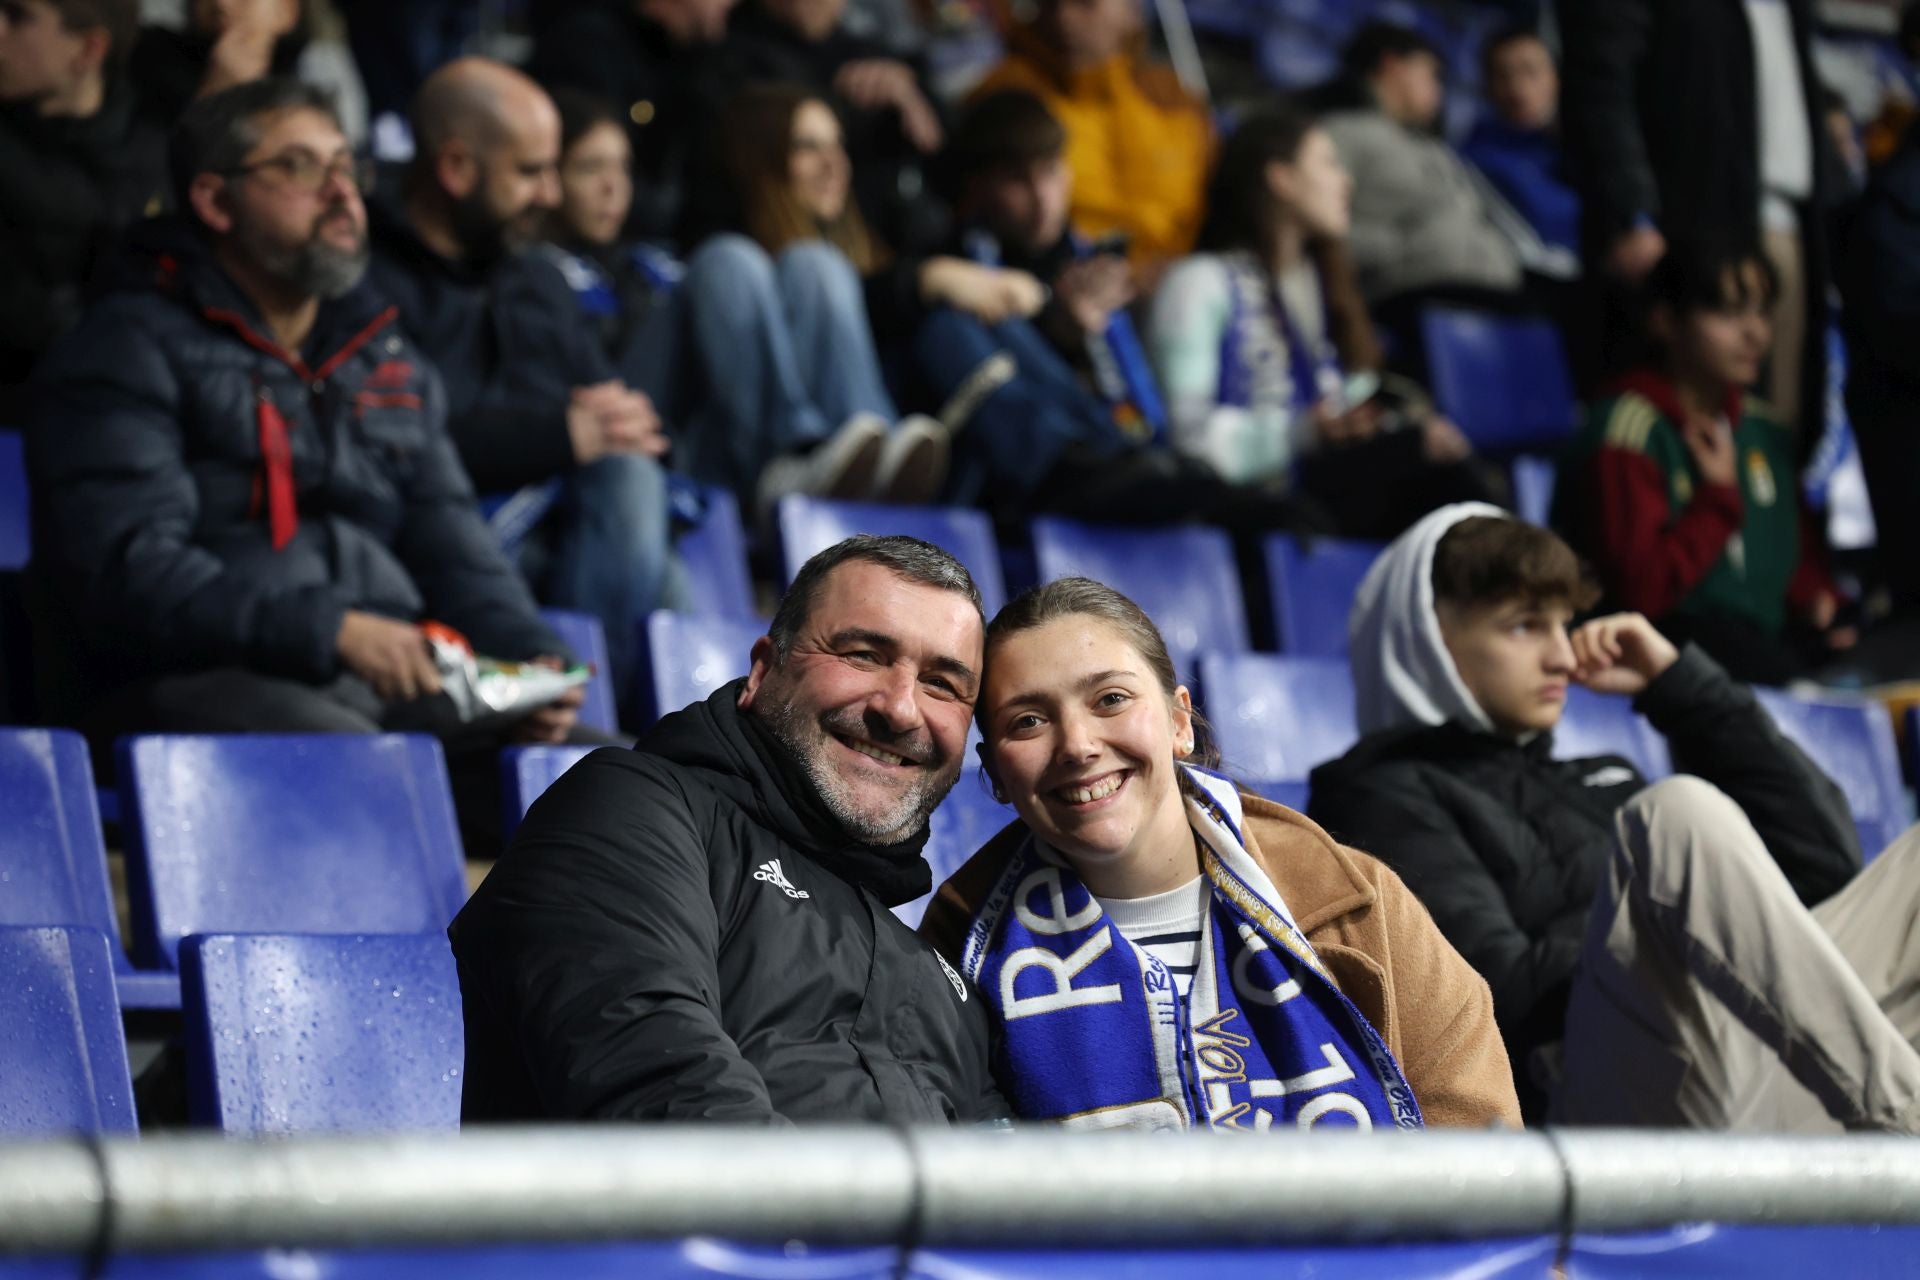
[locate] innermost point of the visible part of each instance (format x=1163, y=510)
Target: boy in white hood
x=1655, y=954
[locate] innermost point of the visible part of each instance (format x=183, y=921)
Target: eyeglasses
x=304, y=171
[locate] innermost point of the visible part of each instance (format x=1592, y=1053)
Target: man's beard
x=486, y=237
x=315, y=268
x=809, y=742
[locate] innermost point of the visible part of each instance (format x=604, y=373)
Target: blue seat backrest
x=53, y=863
x=1598, y=724
x=688, y=656
x=293, y=1033
x=525, y=772
x=810, y=525
x=1291, y=794
x=1275, y=717
x=1312, y=590
x=1184, y=576
x=715, y=555
x=1533, y=479
x=1853, y=742
x=1503, y=381
x=63, y=1057
x=16, y=525
x=333, y=833
x=582, y=633
x=958, y=829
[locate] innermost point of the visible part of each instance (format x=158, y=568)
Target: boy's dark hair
x=1490, y=560
x=581, y=112
x=1376, y=41
x=1505, y=36
x=1004, y=128
x=216, y=132
x=121, y=18
x=1707, y=275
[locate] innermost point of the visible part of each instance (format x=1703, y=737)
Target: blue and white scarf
x=1266, y=359
x=1097, y=1036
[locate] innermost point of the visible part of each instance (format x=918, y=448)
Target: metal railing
x=912, y=1188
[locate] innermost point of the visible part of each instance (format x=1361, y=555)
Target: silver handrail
x=879, y=1186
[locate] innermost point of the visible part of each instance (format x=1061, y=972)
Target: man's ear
x=763, y=658
x=95, y=43
x=211, y=202
x=457, y=169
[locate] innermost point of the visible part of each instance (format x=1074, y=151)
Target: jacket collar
x=1658, y=388
x=1319, y=880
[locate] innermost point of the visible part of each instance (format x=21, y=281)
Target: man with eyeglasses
x=534, y=402
x=78, y=163
x=245, y=492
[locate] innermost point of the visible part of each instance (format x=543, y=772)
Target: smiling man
x=698, y=929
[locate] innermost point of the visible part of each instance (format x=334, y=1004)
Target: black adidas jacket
x=1508, y=847
x=684, y=932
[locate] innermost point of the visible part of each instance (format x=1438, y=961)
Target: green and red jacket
x=1666, y=542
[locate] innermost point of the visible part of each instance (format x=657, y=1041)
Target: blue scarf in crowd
x=1265, y=358
x=1097, y=1036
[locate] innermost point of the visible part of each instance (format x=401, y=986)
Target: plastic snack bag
x=485, y=689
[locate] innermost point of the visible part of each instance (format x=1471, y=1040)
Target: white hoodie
x=1402, y=672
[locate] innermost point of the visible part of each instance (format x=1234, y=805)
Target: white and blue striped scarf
x=1096, y=1035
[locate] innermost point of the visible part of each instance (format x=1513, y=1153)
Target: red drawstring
x=276, y=458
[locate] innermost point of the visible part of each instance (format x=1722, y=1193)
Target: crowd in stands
x=285, y=329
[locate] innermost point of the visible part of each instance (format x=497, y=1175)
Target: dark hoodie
x=684, y=931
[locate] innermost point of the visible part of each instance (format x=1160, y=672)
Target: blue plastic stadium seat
x=958, y=829
x=1853, y=742
x=53, y=863
x=334, y=833
x=1533, y=479
x=688, y=657
x=15, y=520
x=809, y=525
x=297, y=1033
x=582, y=633
x=63, y=1059
x=525, y=772
x=1291, y=794
x=714, y=552
x=1597, y=724
x=1312, y=590
x=1503, y=381
x=1183, y=576
x=1275, y=717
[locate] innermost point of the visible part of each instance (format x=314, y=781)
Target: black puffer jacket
x=684, y=932
x=155, y=505
x=1508, y=847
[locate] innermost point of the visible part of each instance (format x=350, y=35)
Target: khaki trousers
x=1708, y=997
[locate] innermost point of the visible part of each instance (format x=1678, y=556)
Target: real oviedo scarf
x=1096, y=1035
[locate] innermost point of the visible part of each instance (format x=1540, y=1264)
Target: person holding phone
x=1266, y=352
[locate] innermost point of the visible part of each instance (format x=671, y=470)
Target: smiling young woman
x=1161, y=950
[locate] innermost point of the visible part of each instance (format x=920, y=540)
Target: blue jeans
x=1017, y=434
x=786, y=351
x=605, y=549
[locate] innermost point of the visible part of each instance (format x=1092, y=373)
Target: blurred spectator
x=1518, y=148
x=532, y=396
x=1062, y=410
x=1886, y=131
x=1421, y=220
x=241, y=470
x=1692, y=121
x=1651, y=959
x=668, y=65
x=882, y=101
x=1267, y=353
x=78, y=163
x=1138, y=144
x=229, y=42
x=1681, y=488
x=397, y=44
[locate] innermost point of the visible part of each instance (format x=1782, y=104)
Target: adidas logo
x=959, y=987
x=773, y=875
x=1612, y=775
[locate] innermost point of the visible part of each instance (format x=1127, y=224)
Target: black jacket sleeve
x=121, y=510
x=453, y=558
x=1606, y=43
x=1720, y=732
x=594, y=943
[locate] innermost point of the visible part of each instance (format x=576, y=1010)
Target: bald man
x=532, y=396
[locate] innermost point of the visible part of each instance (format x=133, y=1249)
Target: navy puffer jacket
x=205, y=499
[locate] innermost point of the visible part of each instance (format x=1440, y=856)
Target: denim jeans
x=786, y=351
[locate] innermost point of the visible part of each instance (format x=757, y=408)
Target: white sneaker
x=841, y=466
x=913, y=462
x=993, y=373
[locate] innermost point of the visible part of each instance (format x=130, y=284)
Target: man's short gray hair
x=910, y=558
